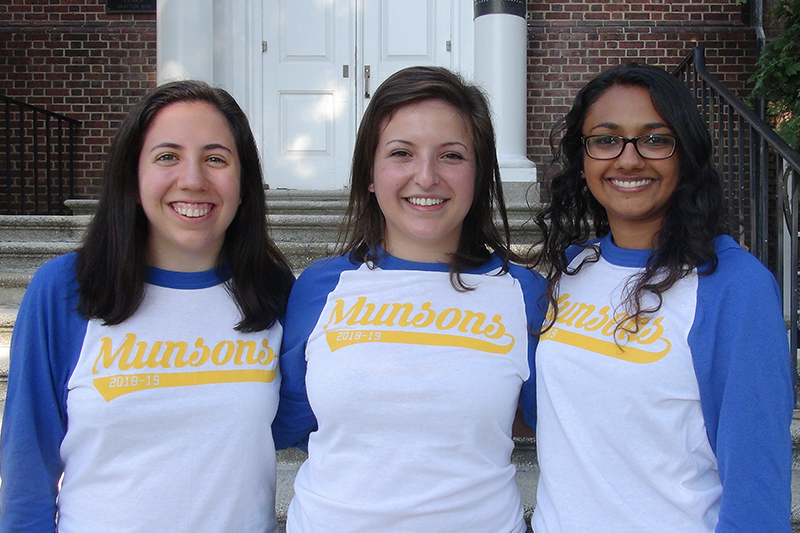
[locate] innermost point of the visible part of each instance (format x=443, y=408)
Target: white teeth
x=426, y=201
x=630, y=184
x=192, y=213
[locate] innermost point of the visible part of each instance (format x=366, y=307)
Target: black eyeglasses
x=650, y=146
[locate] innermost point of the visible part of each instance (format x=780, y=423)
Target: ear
x=371, y=187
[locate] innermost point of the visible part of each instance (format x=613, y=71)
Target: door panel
x=308, y=112
x=402, y=33
x=314, y=84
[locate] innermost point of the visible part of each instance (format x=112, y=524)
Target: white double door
x=321, y=61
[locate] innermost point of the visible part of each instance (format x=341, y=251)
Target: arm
x=44, y=349
x=742, y=362
x=295, y=419
x=533, y=287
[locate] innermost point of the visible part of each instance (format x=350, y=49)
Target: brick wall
x=72, y=58
x=569, y=42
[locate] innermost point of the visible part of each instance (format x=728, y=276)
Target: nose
x=192, y=177
x=630, y=158
x=425, y=175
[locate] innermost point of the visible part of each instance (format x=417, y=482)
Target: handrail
x=26, y=157
x=697, y=55
x=41, y=110
x=772, y=162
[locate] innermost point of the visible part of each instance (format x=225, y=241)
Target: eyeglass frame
x=625, y=140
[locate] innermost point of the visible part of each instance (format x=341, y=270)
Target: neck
x=636, y=235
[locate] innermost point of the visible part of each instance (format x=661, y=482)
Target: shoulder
x=577, y=249
x=739, y=291
x=55, y=277
x=320, y=278
x=527, y=277
x=324, y=271
x=59, y=269
x=737, y=268
x=732, y=256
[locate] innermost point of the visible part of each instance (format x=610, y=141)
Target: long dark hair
x=692, y=221
x=112, y=266
x=363, y=228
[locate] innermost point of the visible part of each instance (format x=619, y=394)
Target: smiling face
x=424, y=180
x=634, y=191
x=188, y=186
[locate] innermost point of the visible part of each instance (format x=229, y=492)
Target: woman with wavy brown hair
x=404, y=356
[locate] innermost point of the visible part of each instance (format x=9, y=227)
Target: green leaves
x=777, y=78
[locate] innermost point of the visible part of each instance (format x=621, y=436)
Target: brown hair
x=363, y=229
x=112, y=268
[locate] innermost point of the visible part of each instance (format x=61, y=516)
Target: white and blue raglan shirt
x=412, y=387
x=160, y=423
x=682, y=426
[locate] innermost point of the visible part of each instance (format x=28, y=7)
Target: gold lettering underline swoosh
x=111, y=387
x=611, y=349
x=341, y=338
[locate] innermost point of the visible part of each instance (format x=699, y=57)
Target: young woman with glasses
x=664, y=392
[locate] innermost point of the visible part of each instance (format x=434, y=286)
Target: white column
x=501, y=44
x=185, y=45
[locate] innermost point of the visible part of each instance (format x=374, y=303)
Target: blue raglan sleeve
x=295, y=419
x=741, y=357
x=533, y=288
x=45, y=346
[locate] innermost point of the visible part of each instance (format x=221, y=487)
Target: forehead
x=624, y=108
x=192, y=117
x=432, y=114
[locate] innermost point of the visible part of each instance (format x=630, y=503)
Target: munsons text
x=175, y=354
x=406, y=315
x=587, y=317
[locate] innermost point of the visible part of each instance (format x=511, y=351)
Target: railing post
x=30, y=188
x=8, y=155
x=22, y=160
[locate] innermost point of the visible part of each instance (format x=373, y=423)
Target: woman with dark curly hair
x=664, y=393
x=144, y=375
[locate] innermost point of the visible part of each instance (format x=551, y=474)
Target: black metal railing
x=37, y=160
x=762, y=182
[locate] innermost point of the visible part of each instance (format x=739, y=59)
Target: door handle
x=366, y=81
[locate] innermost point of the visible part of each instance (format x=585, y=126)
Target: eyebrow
x=448, y=143
x=176, y=146
x=614, y=126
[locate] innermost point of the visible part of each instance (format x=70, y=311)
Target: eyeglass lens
x=651, y=146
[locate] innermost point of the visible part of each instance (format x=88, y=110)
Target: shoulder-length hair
x=692, y=220
x=112, y=264
x=363, y=229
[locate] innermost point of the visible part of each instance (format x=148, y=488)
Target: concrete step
x=304, y=224
x=40, y=228
x=25, y=245
x=26, y=257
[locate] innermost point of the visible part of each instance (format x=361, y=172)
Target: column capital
x=502, y=7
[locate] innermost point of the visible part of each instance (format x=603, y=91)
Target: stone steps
x=304, y=224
